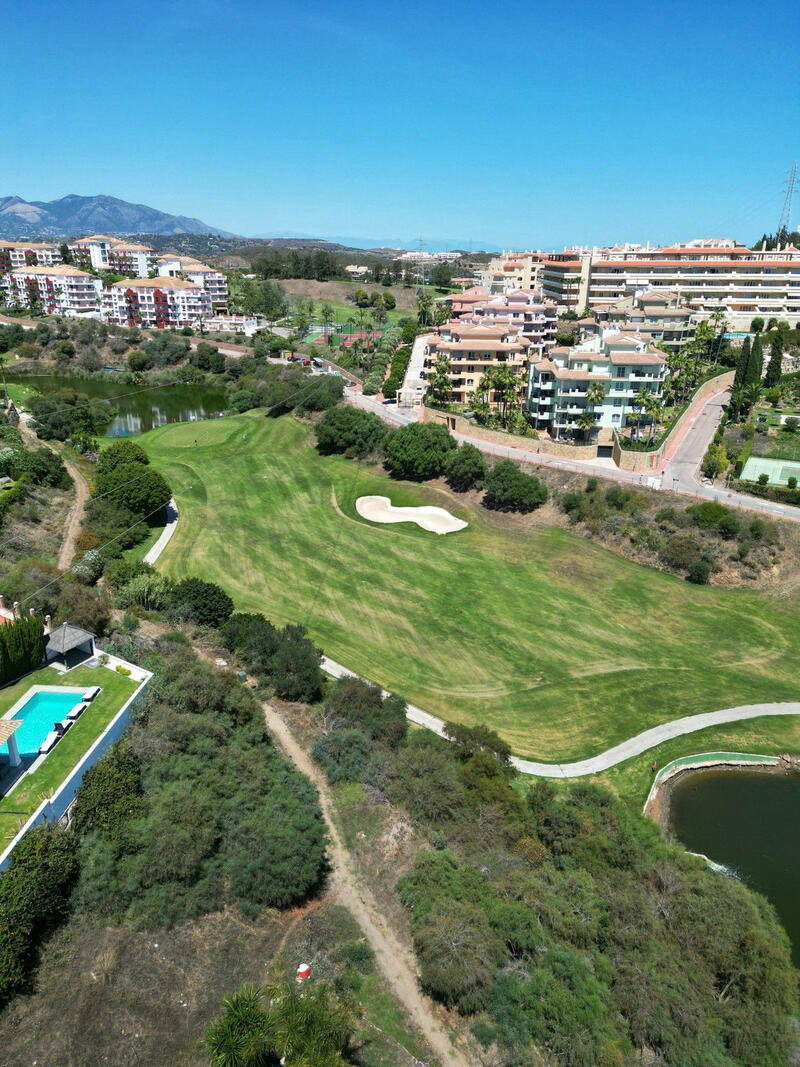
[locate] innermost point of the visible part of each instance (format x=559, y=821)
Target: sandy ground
x=381, y=509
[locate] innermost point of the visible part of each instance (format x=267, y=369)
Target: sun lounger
x=49, y=741
x=77, y=711
x=91, y=693
x=63, y=726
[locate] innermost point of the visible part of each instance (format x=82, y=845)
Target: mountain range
x=73, y=216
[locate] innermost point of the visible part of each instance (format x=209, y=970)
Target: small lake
x=749, y=822
x=139, y=408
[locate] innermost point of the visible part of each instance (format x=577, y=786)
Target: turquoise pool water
x=38, y=714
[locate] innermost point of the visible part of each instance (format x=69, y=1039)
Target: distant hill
x=73, y=216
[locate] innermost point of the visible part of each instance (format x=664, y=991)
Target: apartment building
x=623, y=363
x=513, y=270
x=16, y=254
x=213, y=281
x=656, y=315
x=113, y=254
x=59, y=289
x=462, y=303
x=247, y=325
x=534, y=318
x=158, y=303
x=473, y=349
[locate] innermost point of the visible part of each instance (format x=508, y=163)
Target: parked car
x=306, y=362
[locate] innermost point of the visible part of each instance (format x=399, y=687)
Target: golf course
x=561, y=646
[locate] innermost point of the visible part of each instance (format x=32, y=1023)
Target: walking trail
x=72, y=526
x=394, y=960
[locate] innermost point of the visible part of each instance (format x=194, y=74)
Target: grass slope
x=561, y=646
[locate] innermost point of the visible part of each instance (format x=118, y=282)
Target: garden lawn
x=27, y=796
x=560, y=645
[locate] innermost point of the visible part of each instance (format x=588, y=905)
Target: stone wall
x=641, y=462
x=458, y=424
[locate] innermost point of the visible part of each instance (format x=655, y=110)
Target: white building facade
x=156, y=303
x=56, y=290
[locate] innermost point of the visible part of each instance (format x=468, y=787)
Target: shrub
x=202, y=602
x=591, y=485
x=122, y=670
x=729, y=525
x=373, y=383
x=34, y=899
x=356, y=703
x=791, y=482
x=418, y=451
x=344, y=754
x=699, y=572
x=140, y=489
x=21, y=647
x=508, y=489
x=89, y=567
x=121, y=452
x=465, y=468
x=757, y=528
x=763, y=479
x=791, y=424
x=679, y=552
x=349, y=429
x=294, y=669
x=110, y=796
x=245, y=400
x=148, y=590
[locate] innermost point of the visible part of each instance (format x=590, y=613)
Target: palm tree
x=587, y=423
x=736, y=402
x=654, y=409
x=752, y=395
x=641, y=401
x=242, y=1037
x=424, y=308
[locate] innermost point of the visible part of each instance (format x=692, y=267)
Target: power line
x=783, y=225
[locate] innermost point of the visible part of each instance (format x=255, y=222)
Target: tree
x=418, y=451
x=504, y=383
x=121, y=452
x=757, y=325
x=742, y=365
x=350, y=430
x=131, y=485
x=755, y=365
x=736, y=402
x=441, y=276
x=201, y=602
x=440, y=384
x=424, y=308
x=465, y=468
x=586, y=423
x=282, y=1024
x=773, y=375
x=294, y=669
x=508, y=489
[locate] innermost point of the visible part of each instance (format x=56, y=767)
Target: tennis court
x=778, y=471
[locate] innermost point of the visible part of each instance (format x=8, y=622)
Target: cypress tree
x=775, y=357
x=756, y=364
x=740, y=378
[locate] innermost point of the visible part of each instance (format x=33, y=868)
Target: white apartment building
x=623, y=363
x=512, y=270
x=213, y=281
x=159, y=303
x=113, y=254
x=15, y=254
x=247, y=325
x=656, y=315
x=56, y=290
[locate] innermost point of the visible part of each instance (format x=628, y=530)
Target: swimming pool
x=39, y=710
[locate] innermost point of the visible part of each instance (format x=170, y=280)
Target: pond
x=139, y=408
x=747, y=821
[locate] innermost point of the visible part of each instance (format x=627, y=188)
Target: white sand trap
x=381, y=509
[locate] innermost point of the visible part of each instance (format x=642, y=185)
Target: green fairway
x=561, y=646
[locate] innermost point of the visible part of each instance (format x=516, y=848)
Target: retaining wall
x=458, y=424
x=639, y=462
x=54, y=807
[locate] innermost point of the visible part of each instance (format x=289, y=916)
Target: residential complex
x=158, y=303
x=473, y=349
x=656, y=315
x=168, y=290
x=534, y=318
x=623, y=363
x=709, y=275
x=56, y=290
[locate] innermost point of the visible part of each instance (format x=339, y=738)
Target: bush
x=34, y=899
x=418, y=451
x=465, y=468
x=508, y=489
x=119, y=453
x=344, y=754
x=202, y=602
x=763, y=479
x=21, y=648
x=110, y=796
x=757, y=528
x=89, y=567
x=349, y=429
x=699, y=572
x=294, y=669
x=353, y=702
x=679, y=552
x=140, y=489
x=791, y=482
x=148, y=590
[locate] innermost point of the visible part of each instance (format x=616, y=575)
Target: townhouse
x=473, y=349
x=159, y=303
x=623, y=363
x=60, y=289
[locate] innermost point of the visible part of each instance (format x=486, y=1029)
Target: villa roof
x=27, y=244
x=154, y=283
x=7, y=728
x=66, y=637
x=649, y=357
x=60, y=269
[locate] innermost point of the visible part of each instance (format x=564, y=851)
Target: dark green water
x=143, y=408
x=749, y=822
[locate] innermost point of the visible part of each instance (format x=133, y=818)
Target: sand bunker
x=381, y=509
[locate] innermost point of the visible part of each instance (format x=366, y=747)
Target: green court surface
x=563, y=647
x=779, y=471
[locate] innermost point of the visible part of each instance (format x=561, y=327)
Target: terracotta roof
x=60, y=269
x=650, y=358
x=27, y=244
x=155, y=283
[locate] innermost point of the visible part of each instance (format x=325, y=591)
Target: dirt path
x=72, y=527
x=395, y=962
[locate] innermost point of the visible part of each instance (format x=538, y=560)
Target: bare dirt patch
x=341, y=292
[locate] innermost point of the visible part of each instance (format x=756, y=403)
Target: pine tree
x=756, y=364
x=740, y=378
x=775, y=358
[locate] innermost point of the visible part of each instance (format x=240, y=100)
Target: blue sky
x=517, y=124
